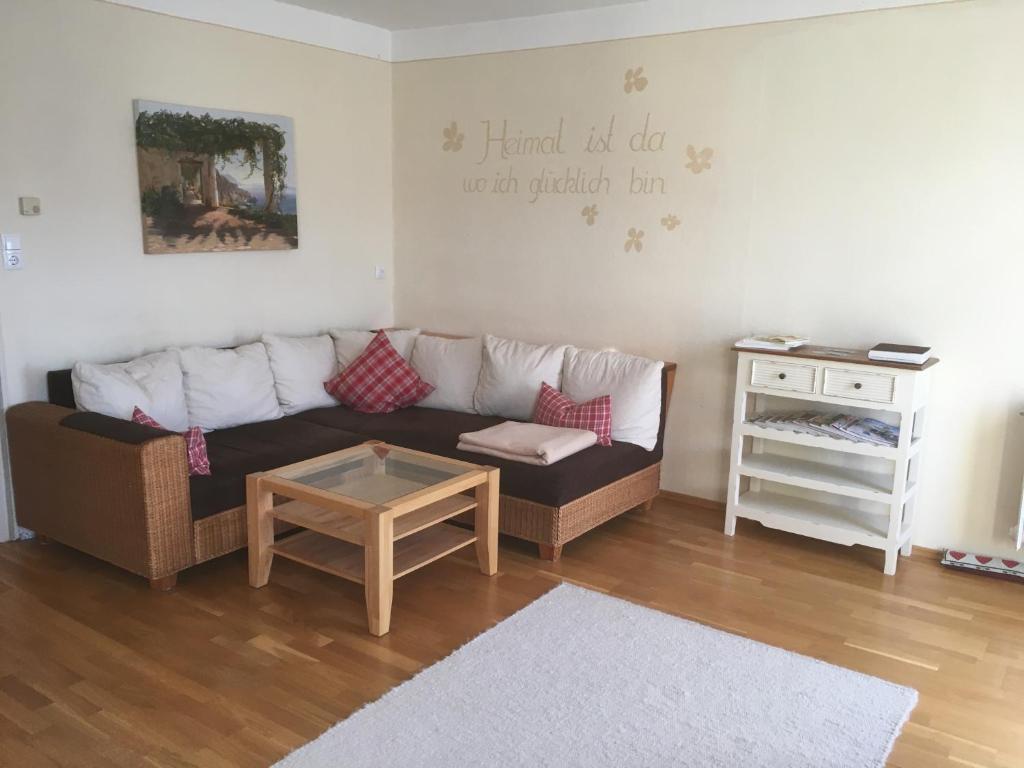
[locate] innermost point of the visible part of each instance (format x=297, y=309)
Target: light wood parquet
x=98, y=670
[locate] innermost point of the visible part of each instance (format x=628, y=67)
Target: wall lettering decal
x=699, y=161
x=452, y=138
x=504, y=144
x=507, y=143
x=616, y=156
x=635, y=80
x=634, y=240
x=601, y=143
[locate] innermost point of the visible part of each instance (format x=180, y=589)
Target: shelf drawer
x=789, y=376
x=859, y=385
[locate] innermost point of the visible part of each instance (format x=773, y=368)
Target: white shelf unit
x=819, y=486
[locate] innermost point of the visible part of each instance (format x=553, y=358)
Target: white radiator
x=1017, y=533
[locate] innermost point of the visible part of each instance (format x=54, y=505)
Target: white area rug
x=578, y=678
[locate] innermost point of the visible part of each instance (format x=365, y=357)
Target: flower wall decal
x=699, y=161
x=452, y=138
x=670, y=222
x=635, y=80
x=634, y=240
x=590, y=213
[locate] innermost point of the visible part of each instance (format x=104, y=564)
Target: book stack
x=776, y=342
x=839, y=426
x=899, y=353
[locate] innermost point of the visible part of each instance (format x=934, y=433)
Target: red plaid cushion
x=378, y=381
x=556, y=410
x=195, y=443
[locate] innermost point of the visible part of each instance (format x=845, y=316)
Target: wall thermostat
x=30, y=206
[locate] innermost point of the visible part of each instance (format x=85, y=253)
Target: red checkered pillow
x=556, y=410
x=378, y=381
x=195, y=443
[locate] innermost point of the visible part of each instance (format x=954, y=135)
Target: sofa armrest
x=116, y=429
x=105, y=486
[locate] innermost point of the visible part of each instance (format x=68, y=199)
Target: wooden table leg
x=378, y=569
x=259, y=503
x=487, y=523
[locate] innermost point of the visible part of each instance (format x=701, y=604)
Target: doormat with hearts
x=1003, y=566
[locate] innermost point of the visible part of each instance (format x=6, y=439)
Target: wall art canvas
x=215, y=179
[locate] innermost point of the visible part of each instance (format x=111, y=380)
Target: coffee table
x=371, y=514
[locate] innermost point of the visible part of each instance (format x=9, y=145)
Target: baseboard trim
x=685, y=499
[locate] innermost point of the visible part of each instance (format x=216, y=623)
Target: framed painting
x=215, y=179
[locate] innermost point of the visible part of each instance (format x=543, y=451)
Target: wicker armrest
x=116, y=490
x=116, y=429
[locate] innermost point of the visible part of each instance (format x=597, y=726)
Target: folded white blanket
x=529, y=443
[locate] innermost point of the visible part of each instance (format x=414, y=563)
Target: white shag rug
x=578, y=678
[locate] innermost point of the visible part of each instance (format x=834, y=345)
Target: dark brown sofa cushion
x=410, y=424
x=436, y=431
x=237, y=451
x=59, y=390
x=258, y=447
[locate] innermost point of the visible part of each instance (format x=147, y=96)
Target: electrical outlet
x=12, y=260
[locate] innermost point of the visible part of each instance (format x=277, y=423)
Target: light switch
x=10, y=248
x=378, y=272
x=30, y=206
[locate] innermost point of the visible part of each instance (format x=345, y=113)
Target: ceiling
x=412, y=30
x=419, y=14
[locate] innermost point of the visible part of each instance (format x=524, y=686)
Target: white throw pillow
x=633, y=382
x=348, y=345
x=300, y=366
x=452, y=366
x=152, y=382
x=228, y=387
x=511, y=376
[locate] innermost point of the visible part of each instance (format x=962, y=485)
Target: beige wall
x=867, y=184
x=72, y=69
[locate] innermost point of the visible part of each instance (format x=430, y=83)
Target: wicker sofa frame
x=128, y=502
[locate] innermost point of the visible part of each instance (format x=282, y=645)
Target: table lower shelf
x=344, y=559
x=348, y=526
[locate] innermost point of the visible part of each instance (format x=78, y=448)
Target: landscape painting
x=215, y=180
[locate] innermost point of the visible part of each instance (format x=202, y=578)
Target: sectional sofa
x=121, y=491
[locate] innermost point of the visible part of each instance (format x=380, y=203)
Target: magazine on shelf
x=873, y=431
x=777, y=342
x=837, y=426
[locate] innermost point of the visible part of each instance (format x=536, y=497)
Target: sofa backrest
x=58, y=388
x=668, y=379
x=60, y=392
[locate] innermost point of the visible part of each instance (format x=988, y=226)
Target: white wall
x=867, y=185
x=88, y=292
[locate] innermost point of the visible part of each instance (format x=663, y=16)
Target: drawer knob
x=782, y=375
x=857, y=385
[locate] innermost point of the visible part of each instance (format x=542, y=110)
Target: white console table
x=820, y=486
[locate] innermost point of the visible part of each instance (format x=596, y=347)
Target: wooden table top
x=838, y=355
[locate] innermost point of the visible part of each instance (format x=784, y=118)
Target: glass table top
x=376, y=473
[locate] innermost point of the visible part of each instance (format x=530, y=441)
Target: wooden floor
x=95, y=669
